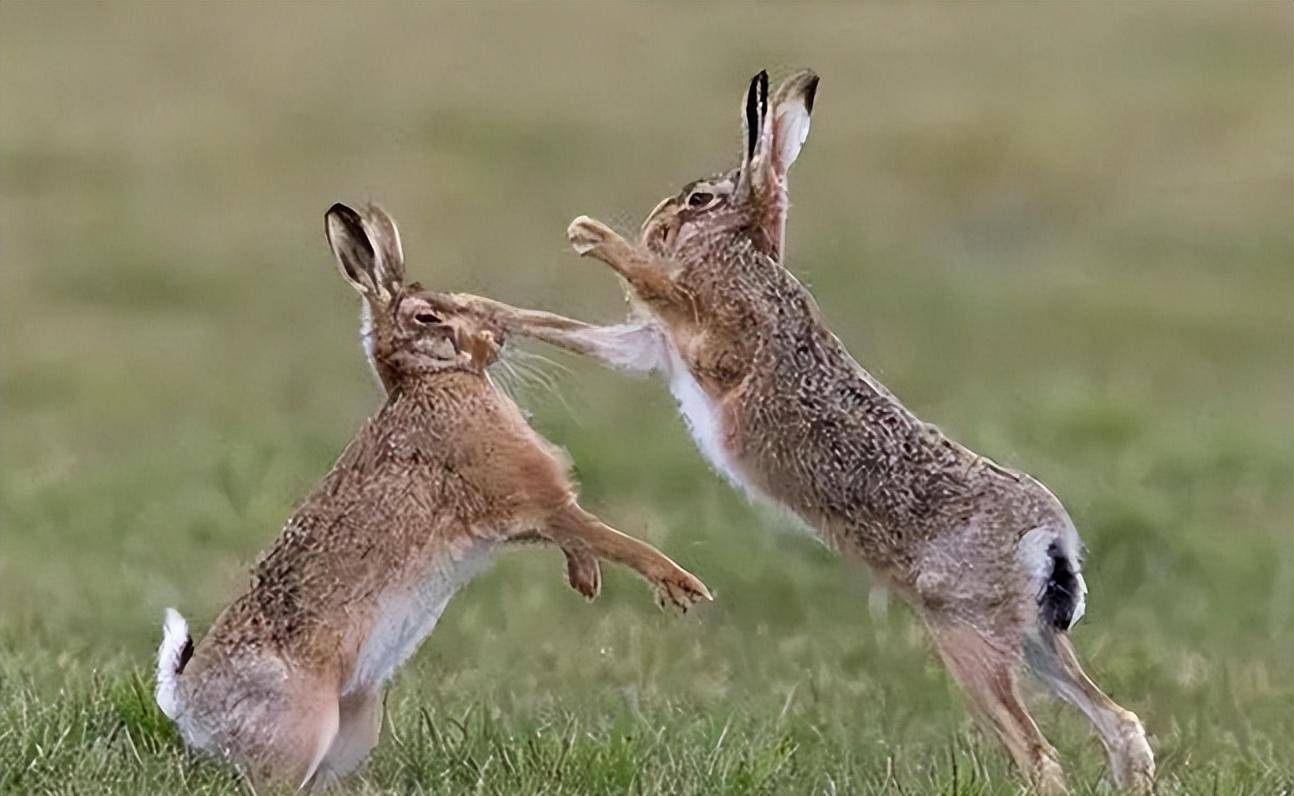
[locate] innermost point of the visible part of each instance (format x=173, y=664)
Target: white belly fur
x=408, y=615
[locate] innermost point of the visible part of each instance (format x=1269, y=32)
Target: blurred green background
x=1061, y=232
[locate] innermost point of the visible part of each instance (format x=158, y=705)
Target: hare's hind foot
x=1052, y=657
x=1135, y=769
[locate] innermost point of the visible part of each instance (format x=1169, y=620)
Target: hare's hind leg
x=290, y=740
x=359, y=726
x=302, y=736
x=1051, y=656
x=987, y=671
x=273, y=724
x=574, y=525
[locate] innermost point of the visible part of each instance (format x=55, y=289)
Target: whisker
x=532, y=373
x=505, y=377
x=544, y=361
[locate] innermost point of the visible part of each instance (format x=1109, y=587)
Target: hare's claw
x=588, y=236
x=681, y=589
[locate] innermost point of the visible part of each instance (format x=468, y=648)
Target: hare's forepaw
x=583, y=571
x=591, y=237
x=680, y=589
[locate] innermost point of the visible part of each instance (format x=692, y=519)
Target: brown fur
x=799, y=421
x=282, y=683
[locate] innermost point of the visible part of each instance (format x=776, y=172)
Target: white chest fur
x=704, y=420
x=407, y=615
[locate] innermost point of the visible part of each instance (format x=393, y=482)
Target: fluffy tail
x=1063, y=597
x=1050, y=555
x=172, y=655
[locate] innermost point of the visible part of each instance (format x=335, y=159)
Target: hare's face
x=704, y=206
x=748, y=203
x=437, y=334
x=421, y=332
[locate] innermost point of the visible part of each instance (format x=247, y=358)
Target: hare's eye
x=700, y=199
x=426, y=317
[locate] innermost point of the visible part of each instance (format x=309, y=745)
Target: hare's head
x=408, y=331
x=751, y=200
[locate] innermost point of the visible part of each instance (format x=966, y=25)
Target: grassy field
x=1063, y=233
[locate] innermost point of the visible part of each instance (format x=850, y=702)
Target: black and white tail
x=1051, y=557
x=1062, y=601
x=172, y=655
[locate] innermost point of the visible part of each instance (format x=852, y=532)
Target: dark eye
x=700, y=199
x=426, y=317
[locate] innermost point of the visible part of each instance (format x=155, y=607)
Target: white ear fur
x=789, y=123
x=790, y=131
x=786, y=128
x=385, y=238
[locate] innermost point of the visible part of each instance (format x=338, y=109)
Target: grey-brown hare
x=986, y=554
x=288, y=682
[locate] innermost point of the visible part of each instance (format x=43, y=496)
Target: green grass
x=1060, y=232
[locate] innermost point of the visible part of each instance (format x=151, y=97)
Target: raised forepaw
x=589, y=236
x=582, y=569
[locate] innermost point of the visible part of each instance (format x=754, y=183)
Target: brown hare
x=986, y=554
x=288, y=682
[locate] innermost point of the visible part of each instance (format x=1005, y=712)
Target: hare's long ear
x=754, y=106
x=367, y=251
x=783, y=131
x=355, y=254
x=384, y=236
x=789, y=120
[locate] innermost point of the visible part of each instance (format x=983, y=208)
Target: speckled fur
x=287, y=683
x=799, y=421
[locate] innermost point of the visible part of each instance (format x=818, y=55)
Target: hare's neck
x=440, y=389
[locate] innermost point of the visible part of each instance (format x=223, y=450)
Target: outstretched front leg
x=672, y=583
x=635, y=347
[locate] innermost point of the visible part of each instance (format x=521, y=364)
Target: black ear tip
x=810, y=92
x=342, y=213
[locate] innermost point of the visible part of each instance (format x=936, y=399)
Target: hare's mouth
x=660, y=228
x=660, y=236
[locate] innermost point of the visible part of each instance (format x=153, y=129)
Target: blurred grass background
x=1062, y=232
